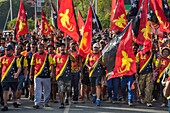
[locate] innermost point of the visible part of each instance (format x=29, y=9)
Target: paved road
x=86, y=107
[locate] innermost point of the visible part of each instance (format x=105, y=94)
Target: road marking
x=66, y=110
x=124, y=108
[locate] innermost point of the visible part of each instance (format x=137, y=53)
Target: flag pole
x=11, y=9
x=57, y=5
x=35, y=9
x=96, y=6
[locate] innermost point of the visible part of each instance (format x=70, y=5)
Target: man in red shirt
x=62, y=63
x=96, y=70
x=40, y=64
x=75, y=70
x=10, y=70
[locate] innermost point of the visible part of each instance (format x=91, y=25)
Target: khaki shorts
x=64, y=86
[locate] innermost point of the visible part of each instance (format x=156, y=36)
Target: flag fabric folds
x=119, y=19
x=144, y=32
x=66, y=19
x=21, y=26
x=163, y=22
x=133, y=10
x=85, y=44
x=45, y=27
x=96, y=25
x=166, y=9
x=54, y=16
x=113, y=8
x=80, y=23
x=125, y=58
x=110, y=51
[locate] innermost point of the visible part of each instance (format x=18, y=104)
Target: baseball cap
x=9, y=47
x=96, y=45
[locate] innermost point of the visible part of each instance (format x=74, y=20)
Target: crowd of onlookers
x=50, y=66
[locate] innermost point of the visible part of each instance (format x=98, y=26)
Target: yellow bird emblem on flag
x=84, y=43
x=120, y=21
x=82, y=30
x=21, y=25
x=65, y=20
x=146, y=31
x=126, y=62
x=45, y=27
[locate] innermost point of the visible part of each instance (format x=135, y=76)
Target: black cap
x=9, y=47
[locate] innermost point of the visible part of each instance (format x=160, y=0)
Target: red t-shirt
x=38, y=61
x=6, y=65
x=93, y=58
x=59, y=61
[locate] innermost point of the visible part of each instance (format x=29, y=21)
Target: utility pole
x=96, y=8
x=51, y=9
x=11, y=9
x=57, y=5
x=35, y=9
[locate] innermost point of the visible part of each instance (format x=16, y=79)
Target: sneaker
x=19, y=102
x=36, y=106
x=142, y=101
x=46, y=105
x=110, y=100
x=130, y=103
x=149, y=105
x=114, y=102
x=163, y=105
x=154, y=100
x=15, y=105
x=5, y=108
x=98, y=102
x=61, y=106
x=94, y=99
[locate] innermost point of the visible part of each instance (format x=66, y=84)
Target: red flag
x=85, y=44
x=125, y=59
x=59, y=2
x=164, y=24
x=80, y=23
x=45, y=27
x=144, y=33
x=119, y=19
x=159, y=3
x=113, y=8
x=21, y=23
x=66, y=19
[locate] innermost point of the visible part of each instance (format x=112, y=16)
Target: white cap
x=96, y=45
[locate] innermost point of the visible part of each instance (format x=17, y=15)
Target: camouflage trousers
x=146, y=85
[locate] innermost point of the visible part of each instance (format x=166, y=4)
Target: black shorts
x=95, y=81
x=7, y=85
x=85, y=80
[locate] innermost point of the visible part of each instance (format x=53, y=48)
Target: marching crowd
x=47, y=67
